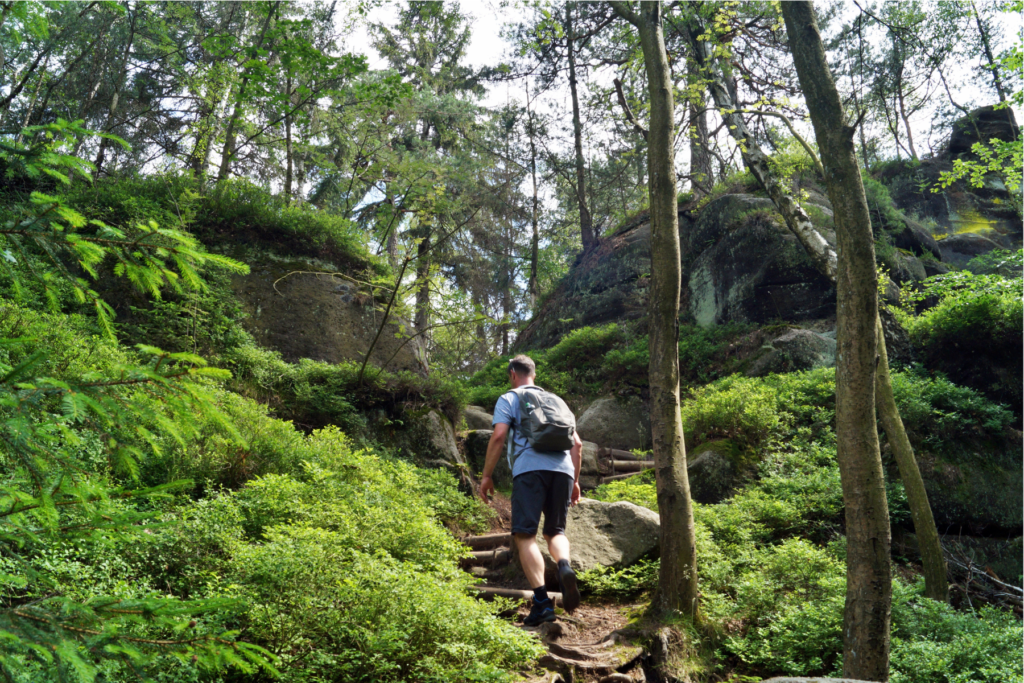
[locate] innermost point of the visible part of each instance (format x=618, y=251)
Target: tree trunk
x=702, y=173
x=866, y=620
x=422, y=319
x=288, y=143
x=534, y=216
x=936, y=585
x=677, y=584
x=587, y=235
x=230, y=134
x=992, y=64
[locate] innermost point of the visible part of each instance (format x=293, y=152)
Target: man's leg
x=556, y=509
x=558, y=546
x=528, y=491
x=531, y=559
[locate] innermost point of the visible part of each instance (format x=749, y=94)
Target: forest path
x=591, y=644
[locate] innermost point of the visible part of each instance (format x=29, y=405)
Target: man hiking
x=542, y=481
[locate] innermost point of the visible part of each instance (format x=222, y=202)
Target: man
x=542, y=481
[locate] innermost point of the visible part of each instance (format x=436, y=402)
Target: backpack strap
x=510, y=454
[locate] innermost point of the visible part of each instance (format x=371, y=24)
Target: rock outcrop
x=300, y=309
x=610, y=534
x=795, y=350
x=715, y=470
x=744, y=265
x=958, y=250
x=477, y=418
x=615, y=423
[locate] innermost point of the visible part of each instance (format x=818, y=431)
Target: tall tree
x=587, y=233
x=866, y=620
x=677, y=584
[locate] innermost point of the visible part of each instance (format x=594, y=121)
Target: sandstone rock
x=959, y=249
x=795, y=350
x=745, y=265
x=916, y=238
x=616, y=424
x=475, y=445
x=439, y=438
x=609, y=534
x=713, y=470
x=319, y=316
x=477, y=418
x=981, y=125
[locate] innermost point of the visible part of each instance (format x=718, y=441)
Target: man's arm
x=494, y=448
x=576, y=453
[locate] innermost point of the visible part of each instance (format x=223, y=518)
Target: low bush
x=345, y=568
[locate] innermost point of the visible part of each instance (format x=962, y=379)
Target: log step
x=491, y=592
x=616, y=477
x=632, y=465
x=487, y=541
x=493, y=558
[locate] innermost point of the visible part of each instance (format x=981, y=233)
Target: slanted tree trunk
x=866, y=620
x=677, y=582
x=587, y=235
x=702, y=173
x=936, y=585
x=288, y=167
x=993, y=65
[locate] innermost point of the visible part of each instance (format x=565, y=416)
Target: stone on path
x=610, y=534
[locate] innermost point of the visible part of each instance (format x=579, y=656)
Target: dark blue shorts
x=536, y=492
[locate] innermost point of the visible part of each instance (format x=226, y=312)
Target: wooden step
x=632, y=465
x=616, y=477
x=487, y=541
x=491, y=558
x=491, y=592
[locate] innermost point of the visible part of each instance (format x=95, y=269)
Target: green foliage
x=239, y=210
x=73, y=442
x=885, y=217
x=772, y=558
x=345, y=568
x=314, y=394
x=1009, y=264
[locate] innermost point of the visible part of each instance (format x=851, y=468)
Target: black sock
x=563, y=564
x=540, y=594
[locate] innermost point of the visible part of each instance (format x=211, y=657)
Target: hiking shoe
x=541, y=611
x=570, y=593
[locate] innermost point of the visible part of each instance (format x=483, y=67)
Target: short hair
x=523, y=366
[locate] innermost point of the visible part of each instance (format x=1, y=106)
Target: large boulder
x=982, y=125
x=959, y=249
x=477, y=418
x=610, y=534
x=795, y=350
x=613, y=423
x=475, y=444
x=303, y=310
x=745, y=265
x=715, y=469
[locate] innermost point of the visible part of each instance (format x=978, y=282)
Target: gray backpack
x=544, y=420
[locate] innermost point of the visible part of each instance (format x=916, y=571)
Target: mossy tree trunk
x=866, y=620
x=677, y=586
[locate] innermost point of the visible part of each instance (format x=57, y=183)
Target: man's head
x=521, y=370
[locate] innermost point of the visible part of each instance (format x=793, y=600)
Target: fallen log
x=632, y=465
x=487, y=541
x=491, y=592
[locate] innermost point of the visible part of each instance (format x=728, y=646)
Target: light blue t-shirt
x=506, y=411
